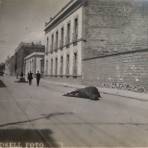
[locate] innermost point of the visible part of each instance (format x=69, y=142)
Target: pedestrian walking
x=30, y=77
x=38, y=77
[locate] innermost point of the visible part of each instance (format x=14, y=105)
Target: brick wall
x=115, y=54
x=125, y=71
x=115, y=26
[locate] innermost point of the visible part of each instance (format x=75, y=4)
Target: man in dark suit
x=38, y=77
x=30, y=77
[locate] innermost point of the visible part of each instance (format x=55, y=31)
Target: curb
x=123, y=93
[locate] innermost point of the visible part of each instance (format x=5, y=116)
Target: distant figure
x=38, y=77
x=30, y=77
x=22, y=79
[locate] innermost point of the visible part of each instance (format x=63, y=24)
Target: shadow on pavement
x=27, y=138
x=2, y=84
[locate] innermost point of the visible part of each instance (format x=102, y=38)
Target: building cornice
x=34, y=54
x=64, y=12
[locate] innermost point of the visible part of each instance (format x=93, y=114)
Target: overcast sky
x=23, y=20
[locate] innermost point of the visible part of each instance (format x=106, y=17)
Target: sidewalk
x=123, y=93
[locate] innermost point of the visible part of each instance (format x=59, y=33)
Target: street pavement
x=42, y=115
x=113, y=91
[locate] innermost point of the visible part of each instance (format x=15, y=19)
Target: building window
x=61, y=68
x=34, y=63
x=56, y=42
x=56, y=66
x=68, y=34
x=52, y=42
x=67, y=65
x=75, y=34
x=75, y=64
x=46, y=67
x=47, y=44
x=51, y=72
x=62, y=38
x=42, y=66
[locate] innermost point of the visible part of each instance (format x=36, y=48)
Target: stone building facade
x=113, y=39
x=116, y=51
x=7, y=66
x=63, y=57
x=10, y=65
x=23, y=50
x=33, y=62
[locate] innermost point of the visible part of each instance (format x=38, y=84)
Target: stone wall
x=116, y=51
x=125, y=71
x=114, y=26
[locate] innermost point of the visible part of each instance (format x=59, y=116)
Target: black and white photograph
x=73, y=73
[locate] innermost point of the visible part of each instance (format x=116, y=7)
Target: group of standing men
x=30, y=77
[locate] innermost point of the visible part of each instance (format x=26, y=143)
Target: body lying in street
x=90, y=92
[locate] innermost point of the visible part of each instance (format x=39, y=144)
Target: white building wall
x=33, y=62
x=38, y=64
x=77, y=48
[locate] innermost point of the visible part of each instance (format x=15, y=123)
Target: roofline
x=64, y=9
x=29, y=44
x=34, y=54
